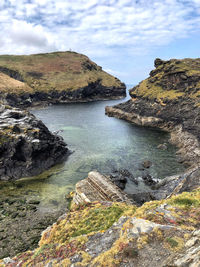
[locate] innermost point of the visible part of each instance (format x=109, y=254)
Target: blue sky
x=122, y=36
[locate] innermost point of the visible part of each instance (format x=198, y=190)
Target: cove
x=98, y=143
x=104, y=144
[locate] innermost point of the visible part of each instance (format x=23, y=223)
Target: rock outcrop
x=108, y=234
x=27, y=147
x=58, y=77
x=169, y=100
x=97, y=187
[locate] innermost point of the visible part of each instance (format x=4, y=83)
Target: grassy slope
x=53, y=71
x=8, y=84
x=172, y=80
x=70, y=234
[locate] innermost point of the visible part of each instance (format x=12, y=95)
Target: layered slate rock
x=27, y=147
x=57, y=77
x=97, y=187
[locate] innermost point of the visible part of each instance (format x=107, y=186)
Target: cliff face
x=107, y=234
x=55, y=78
x=27, y=147
x=168, y=99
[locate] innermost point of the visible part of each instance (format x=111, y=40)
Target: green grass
x=61, y=71
x=166, y=82
x=172, y=242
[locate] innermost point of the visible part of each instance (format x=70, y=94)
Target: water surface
x=99, y=143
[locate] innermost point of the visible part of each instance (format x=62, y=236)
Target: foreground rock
x=27, y=147
x=116, y=234
x=58, y=77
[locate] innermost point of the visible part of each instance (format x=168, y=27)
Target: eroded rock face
x=27, y=147
x=169, y=99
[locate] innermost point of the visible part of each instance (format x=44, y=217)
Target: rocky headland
x=58, y=77
x=27, y=147
x=169, y=99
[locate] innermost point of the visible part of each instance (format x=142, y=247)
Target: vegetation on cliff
x=168, y=99
x=171, y=80
x=113, y=234
x=55, y=72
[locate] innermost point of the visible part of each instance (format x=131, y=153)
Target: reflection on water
x=99, y=143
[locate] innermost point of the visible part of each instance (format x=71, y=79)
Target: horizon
x=122, y=36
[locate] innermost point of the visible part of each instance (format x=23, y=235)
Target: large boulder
x=27, y=147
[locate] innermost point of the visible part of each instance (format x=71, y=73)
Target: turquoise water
x=99, y=143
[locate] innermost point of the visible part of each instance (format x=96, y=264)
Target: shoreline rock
x=98, y=93
x=168, y=100
x=27, y=147
x=187, y=143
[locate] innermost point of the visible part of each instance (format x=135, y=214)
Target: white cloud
x=97, y=28
x=25, y=33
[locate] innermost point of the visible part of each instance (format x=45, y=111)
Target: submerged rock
x=120, y=178
x=147, y=164
x=27, y=147
x=162, y=146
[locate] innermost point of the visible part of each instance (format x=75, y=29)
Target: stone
x=148, y=180
x=191, y=242
x=162, y=146
x=34, y=202
x=147, y=164
x=8, y=260
x=142, y=197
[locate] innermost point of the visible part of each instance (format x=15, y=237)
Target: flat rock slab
x=97, y=187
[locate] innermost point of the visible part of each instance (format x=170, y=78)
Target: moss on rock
x=171, y=80
x=109, y=234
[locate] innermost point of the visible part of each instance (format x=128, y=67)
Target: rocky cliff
x=57, y=77
x=110, y=234
x=27, y=147
x=169, y=99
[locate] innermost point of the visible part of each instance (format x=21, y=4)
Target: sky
x=122, y=36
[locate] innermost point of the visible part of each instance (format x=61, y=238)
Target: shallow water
x=99, y=143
